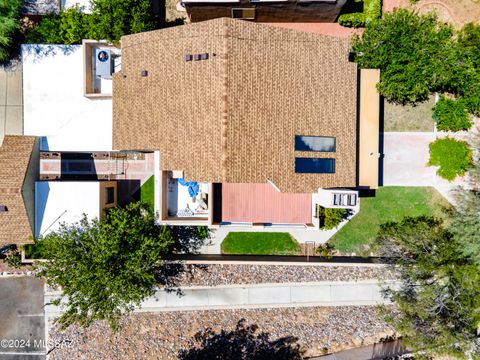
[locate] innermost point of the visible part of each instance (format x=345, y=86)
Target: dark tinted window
x=314, y=143
x=314, y=166
x=109, y=195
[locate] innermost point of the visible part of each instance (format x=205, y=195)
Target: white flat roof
x=54, y=105
x=64, y=201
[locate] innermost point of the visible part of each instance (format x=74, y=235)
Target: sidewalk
x=11, y=113
x=257, y=296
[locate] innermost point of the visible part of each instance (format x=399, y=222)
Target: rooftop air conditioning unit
x=103, y=63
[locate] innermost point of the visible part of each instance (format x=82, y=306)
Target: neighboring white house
x=55, y=107
x=66, y=201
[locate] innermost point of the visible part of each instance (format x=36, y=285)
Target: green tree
x=438, y=299
x=414, y=53
x=9, y=23
x=106, y=268
x=68, y=27
x=111, y=19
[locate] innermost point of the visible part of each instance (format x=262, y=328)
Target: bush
x=372, y=9
x=354, y=20
x=451, y=115
x=331, y=217
x=325, y=250
x=9, y=23
x=454, y=157
x=202, y=232
x=35, y=251
x=13, y=258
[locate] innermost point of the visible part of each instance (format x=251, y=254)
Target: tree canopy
x=9, y=23
x=243, y=343
x=418, y=54
x=109, y=20
x=106, y=268
x=439, y=297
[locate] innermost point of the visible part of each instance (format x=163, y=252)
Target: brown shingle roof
x=233, y=118
x=15, y=154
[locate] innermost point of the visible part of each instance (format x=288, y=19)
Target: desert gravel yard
x=226, y=274
x=162, y=335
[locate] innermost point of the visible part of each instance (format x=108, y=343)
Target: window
x=314, y=166
x=315, y=143
x=109, y=195
x=247, y=13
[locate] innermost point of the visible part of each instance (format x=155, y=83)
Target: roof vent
x=188, y=57
x=196, y=57
x=144, y=73
x=3, y=208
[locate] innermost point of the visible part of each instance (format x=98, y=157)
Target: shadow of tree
x=188, y=239
x=241, y=344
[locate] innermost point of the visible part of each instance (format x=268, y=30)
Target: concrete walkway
x=406, y=155
x=11, y=113
x=257, y=296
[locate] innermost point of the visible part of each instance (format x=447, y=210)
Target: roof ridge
x=226, y=25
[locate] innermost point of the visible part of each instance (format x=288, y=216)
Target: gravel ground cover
x=228, y=274
x=162, y=335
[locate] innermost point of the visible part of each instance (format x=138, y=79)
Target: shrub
x=202, y=232
x=13, y=258
x=9, y=23
x=325, y=250
x=451, y=115
x=454, y=157
x=35, y=251
x=331, y=217
x=372, y=9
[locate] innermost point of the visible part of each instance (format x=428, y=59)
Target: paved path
x=11, y=113
x=406, y=155
x=258, y=296
x=22, y=325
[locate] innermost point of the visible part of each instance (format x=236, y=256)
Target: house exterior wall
x=64, y=201
x=269, y=11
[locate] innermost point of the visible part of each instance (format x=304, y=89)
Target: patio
x=186, y=199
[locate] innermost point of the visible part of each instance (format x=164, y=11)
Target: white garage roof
x=64, y=201
x=54, y=105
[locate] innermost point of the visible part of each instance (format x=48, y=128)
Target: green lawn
x=146, y=192
x=260, y=243
x=389, y=204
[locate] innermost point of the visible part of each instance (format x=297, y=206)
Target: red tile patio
x=262, y=203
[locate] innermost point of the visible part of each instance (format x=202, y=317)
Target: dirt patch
x=456, y=12
x=408, y=117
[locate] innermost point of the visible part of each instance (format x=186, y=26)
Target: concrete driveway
x=22, y=325
x=406, y=155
